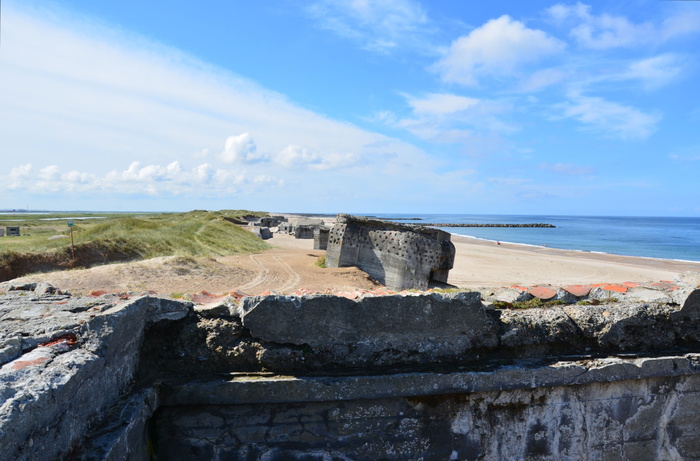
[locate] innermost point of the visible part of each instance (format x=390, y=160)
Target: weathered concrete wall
x=397, y=256
x=375, y=331
x=431, y=376
x=321, y=235
x=557, y=412
x=262, y=232
x=65, y=361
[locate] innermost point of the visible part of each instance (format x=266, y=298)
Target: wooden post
x=72, y=245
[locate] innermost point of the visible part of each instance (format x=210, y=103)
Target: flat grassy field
x=101, y=238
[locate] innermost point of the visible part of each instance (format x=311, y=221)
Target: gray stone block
x=428, y=325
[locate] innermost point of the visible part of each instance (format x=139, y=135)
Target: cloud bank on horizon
x=354, y=106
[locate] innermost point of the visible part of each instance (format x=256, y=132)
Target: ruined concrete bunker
x=415, y=376
x=397, y=256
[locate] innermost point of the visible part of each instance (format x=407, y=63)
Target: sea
x=653, y=237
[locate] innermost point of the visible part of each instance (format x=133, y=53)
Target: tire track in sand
x=294, y=277
x=260, y=277
x=278, y=276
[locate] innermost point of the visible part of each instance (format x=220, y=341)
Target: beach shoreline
x=485, y=263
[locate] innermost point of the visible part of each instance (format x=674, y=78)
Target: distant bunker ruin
x=12, y=231
x=320, y=377
x=398, y=256
x=300, y=228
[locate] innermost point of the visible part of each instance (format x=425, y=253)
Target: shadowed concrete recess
x=415, y=376
x=398, y=256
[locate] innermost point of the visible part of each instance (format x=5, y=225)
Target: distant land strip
x=477, y=225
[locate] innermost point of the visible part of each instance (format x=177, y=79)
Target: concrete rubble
x=417, y=375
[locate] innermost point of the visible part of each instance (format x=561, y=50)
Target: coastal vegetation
x=102, y=238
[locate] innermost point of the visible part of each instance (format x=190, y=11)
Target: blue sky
x=359, y=106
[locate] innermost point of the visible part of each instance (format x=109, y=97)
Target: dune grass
x=105, y=238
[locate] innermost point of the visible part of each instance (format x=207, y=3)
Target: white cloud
x=241, y=149
x=438, y=104
x=509, y=181
x=609, y=117
x=542, y=79
x=301, y=157
x=380, y=25
x=609, y=31
x=497, y=48
x=445, y=117
x=685, y=158
x=384, y=117
x=102, y=99
x=18, y=176
x=655, y=72
x=568, y=169
x=682, y=22
x=690, y=153
x=148, y=173
x=48, y=173
x=203, y=153
x=154, y=180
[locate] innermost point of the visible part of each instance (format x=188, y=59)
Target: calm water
x=667, y=238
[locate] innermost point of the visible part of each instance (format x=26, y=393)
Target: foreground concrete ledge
x=260, y=389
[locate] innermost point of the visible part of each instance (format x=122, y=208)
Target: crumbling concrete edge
x=32, y=425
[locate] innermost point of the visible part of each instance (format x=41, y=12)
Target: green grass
x=596, y=302
x=321, y=262
x=105, y=238
x=531, y=304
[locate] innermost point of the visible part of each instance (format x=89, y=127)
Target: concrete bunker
x=424, y=376
x=398, y=256
x=301, y=228
x=272, y=221
x=12, y=231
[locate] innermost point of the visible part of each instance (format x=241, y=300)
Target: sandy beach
x=289, y=266
x=481, y=263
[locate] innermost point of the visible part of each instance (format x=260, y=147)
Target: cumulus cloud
x=147, y=173
x=497, y=48
x=609, y=117
x=610, y=31
x=154, y=180
x=380, y=25
x=18, y=176
x=241, y=149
